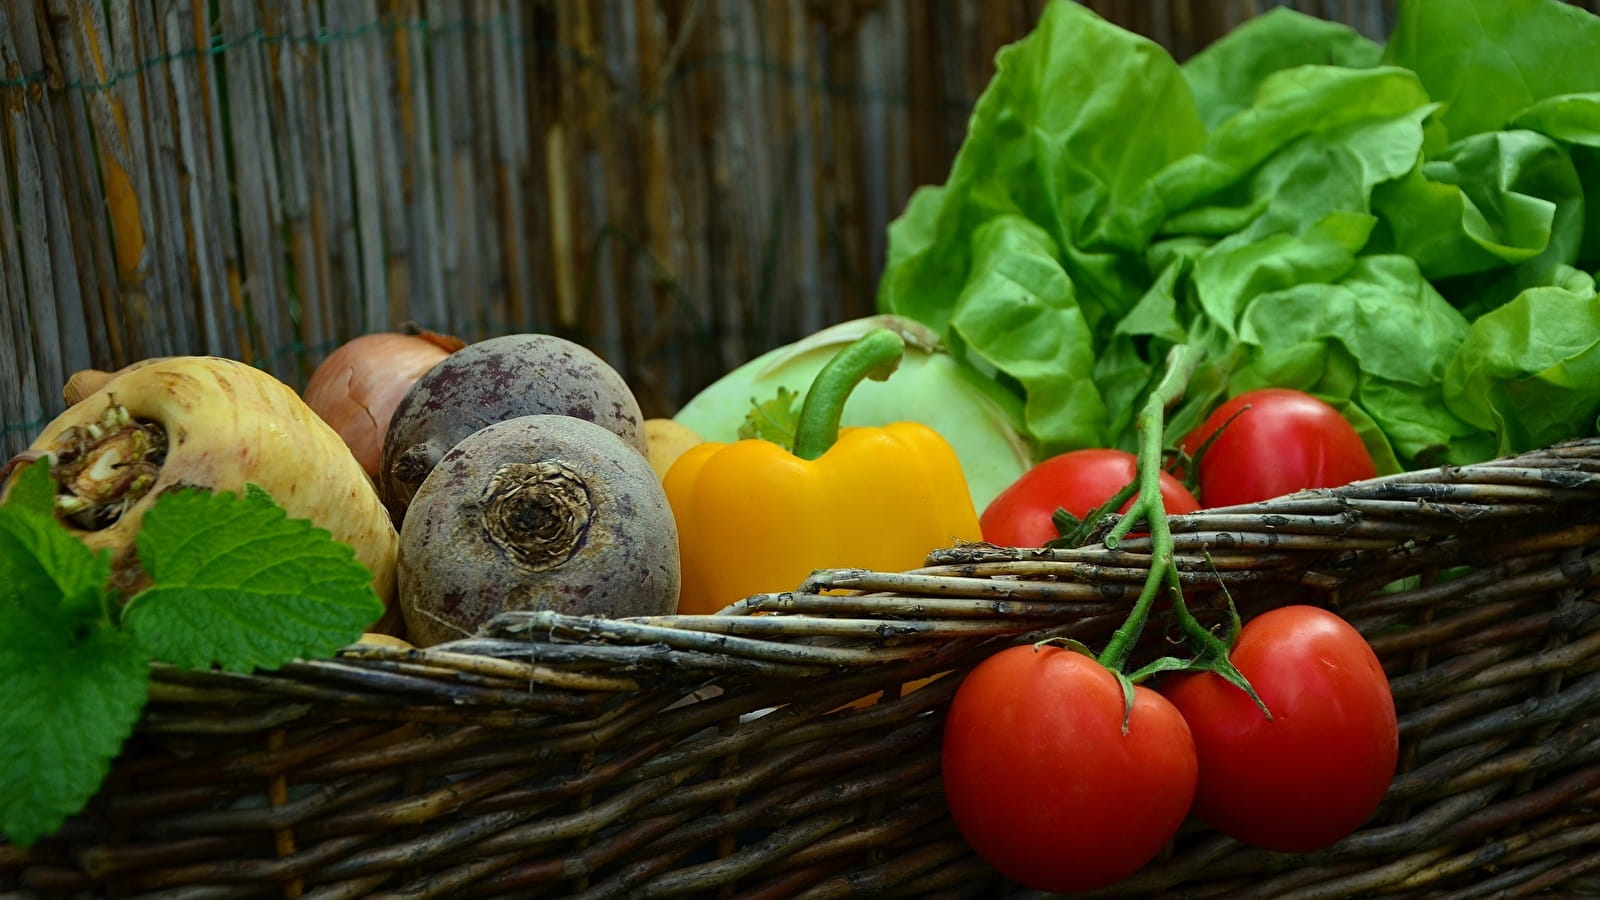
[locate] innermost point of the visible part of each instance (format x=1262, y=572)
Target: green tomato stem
x=1078, y=533
x=1211, y=653
x=1148, y=505
x=874, y=355
x=1115, y=655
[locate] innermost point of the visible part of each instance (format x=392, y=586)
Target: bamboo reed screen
x=679, y=185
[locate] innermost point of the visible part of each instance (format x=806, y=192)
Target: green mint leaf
x=237, y=583
x=70, y=695
x=31, y=489
x=773, y=420
x=41, y=563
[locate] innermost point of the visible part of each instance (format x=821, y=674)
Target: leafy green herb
x=236, y=583
x=41, y=565
x=32, y=492
x=774, y=419
x=73, y=690
x=1408, y=230
x=215, y=587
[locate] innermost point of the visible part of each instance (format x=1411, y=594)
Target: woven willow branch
x=790, y=744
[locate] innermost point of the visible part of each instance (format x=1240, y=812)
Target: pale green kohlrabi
x=976, y=415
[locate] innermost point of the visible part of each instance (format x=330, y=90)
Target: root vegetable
x=666, y=440
x=536, y=512
x=357, y=387
x=86, y=381
x=211, y=423
x=379, y=639
x=493, y=380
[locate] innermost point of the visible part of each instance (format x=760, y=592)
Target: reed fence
x=679, y=185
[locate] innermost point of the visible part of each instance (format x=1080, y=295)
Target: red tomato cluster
x=1048, y=787
x=1272, y=441
x=1050, y=783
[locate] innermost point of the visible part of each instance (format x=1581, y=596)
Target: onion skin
x=228, y=424
x=357, y=387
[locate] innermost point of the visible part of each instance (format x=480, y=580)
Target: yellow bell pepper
x=753, y=517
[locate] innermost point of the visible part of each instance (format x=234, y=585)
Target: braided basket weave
x=740, y=755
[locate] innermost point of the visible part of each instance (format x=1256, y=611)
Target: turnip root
x=492, y=380
x=536, y=512
x=666, y=440
x=211, y=423
x=86, y=381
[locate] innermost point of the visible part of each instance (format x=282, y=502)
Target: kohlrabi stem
x=874, y=355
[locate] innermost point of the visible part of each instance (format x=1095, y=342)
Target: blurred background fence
x=678, y=184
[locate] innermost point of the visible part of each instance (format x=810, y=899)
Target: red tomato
x=1287, y=440
x=1315, y=772
x=1077, y=481
x=1042, y=782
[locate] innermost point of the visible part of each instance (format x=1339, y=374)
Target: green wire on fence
x=25, y=426
x=324, y=36
x=220, y=45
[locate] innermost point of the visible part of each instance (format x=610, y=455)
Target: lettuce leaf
x=1530, y=370
x=1488, y=60
x=1058, y=168
x=1405, y=234
x=1225, y=76
x=1492, y=215
x=1574, y=119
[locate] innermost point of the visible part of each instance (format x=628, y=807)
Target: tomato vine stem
x=1210, y=652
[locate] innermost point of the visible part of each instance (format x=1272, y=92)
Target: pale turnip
x=210, y=423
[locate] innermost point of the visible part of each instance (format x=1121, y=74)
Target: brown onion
x=358, y=386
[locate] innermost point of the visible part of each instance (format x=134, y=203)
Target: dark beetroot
x=492, y=380
x=536, y=513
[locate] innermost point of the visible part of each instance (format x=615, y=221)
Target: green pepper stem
x=874, y=355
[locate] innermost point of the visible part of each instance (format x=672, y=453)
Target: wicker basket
x=736, y=755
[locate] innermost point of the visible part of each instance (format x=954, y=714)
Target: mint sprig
x=33, y=493
x=249, y=591
x=41, y=564
x=236, y=583
x=73, y=692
